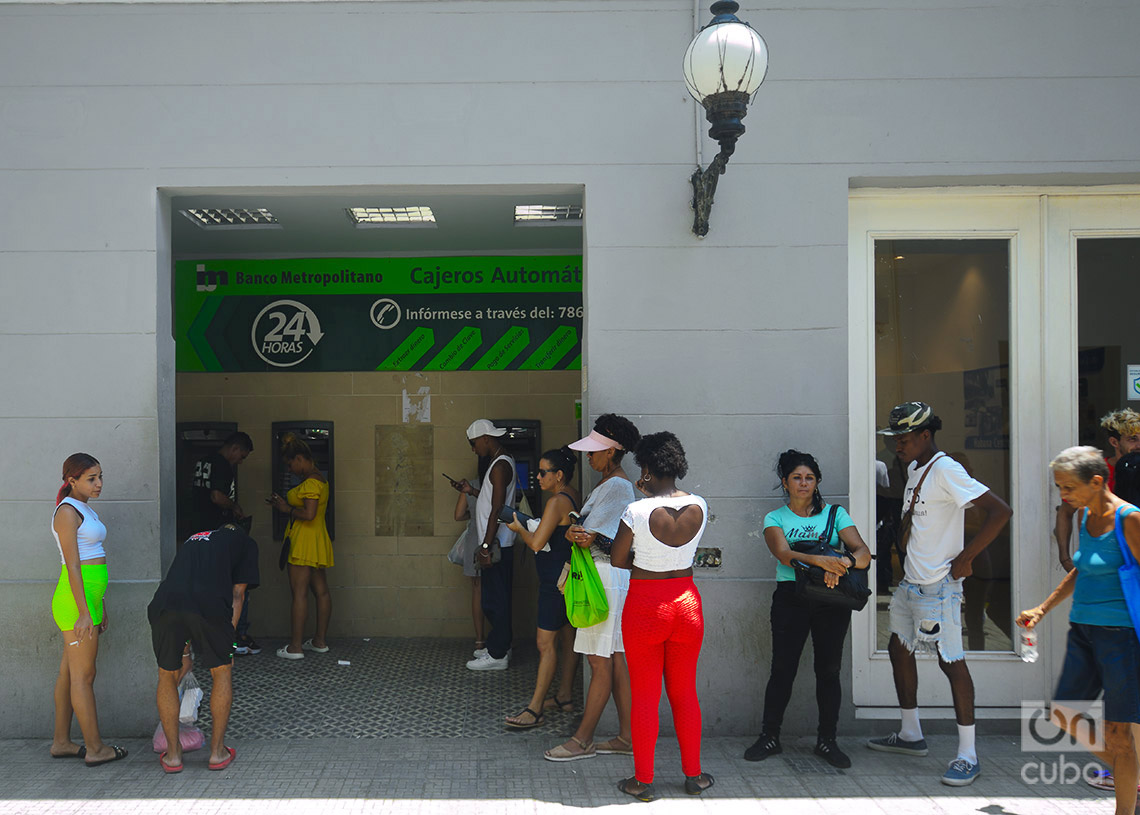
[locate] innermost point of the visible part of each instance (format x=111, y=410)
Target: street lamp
x=725, y=64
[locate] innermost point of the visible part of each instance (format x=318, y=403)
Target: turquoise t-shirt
x=1098, y=598
x=798, y=528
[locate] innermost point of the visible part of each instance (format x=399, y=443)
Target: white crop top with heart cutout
x=648, y=552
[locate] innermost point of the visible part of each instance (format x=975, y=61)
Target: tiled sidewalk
x=506, y=774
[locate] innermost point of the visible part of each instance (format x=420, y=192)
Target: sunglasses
x=541, y=471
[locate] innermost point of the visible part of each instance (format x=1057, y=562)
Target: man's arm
x=218, y=498
x=1063, y=532
x=239, y=600
x=998, y=514
x=500, y=481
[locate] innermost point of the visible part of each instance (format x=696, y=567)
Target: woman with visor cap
x=604, y=446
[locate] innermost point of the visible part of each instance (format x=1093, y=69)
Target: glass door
x=945, y=307
x=942, y=336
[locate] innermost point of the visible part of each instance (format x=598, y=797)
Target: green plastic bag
x=586, y=602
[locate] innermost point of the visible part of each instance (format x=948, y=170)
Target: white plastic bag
x=191, y=694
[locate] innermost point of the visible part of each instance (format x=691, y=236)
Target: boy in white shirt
x=925, y=610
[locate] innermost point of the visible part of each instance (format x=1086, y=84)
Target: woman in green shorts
x=77, y=607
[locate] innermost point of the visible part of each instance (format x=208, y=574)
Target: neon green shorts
x=63, y=607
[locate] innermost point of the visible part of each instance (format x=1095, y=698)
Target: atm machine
x=196, y=440
x=523, y=442
x=319, y=437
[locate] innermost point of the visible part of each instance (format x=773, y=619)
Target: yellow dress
x=310, y=541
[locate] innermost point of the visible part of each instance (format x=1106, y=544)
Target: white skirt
x=604, y=638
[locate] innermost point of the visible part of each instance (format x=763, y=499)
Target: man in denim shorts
x=926, y=608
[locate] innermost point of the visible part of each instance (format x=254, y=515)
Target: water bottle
x=1028, y=645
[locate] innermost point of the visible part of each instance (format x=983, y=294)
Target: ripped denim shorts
x=929, y=617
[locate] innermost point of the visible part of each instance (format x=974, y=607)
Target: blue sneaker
x=961, y=773
x=893, y=744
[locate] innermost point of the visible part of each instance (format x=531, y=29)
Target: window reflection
x=942, y=337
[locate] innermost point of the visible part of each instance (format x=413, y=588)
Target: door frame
x=1042, y=225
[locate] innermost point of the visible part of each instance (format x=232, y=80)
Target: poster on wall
x=379, y=314
x=985, y=394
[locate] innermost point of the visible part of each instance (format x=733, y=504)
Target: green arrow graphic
x=465, y=343
x=503, y=352
x=574, y=364
x=547, y=355
x=408, y=353
x=197, y=333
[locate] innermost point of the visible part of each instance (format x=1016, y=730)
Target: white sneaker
x=489, y=663
x=478, y=652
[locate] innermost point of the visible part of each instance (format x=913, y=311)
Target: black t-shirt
x=212, y=473
x=201, y=579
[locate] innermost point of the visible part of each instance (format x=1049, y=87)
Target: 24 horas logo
x=285, y=333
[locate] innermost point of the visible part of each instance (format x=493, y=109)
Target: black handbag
x=852, y=590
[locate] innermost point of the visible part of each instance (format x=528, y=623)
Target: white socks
x=966, y=748
x=911, y=730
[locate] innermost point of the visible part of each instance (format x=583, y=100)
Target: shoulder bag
x=1129, y=576
x=907, y=520
x=851, y=591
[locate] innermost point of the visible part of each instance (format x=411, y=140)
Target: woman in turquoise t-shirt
x=1103, y=652
x=805, y=517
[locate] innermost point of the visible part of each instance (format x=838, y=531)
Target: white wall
x=737, y=342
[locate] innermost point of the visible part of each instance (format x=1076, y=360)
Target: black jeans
x=496, y=594
x=793, y=618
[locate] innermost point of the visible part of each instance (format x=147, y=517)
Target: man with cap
x=496, y=576
x=925, y=610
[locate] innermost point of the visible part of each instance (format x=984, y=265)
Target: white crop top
x=648, y=552
x=90, y=534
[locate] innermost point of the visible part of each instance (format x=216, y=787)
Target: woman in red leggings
x=662, y=624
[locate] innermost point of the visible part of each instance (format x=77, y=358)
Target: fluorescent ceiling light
x=232, y=218
x=542, y=214
x=366, y=217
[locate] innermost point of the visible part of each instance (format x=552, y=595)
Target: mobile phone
x=449, y=478
x=574, y=517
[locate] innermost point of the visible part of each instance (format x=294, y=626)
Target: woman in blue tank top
x=1103, y=653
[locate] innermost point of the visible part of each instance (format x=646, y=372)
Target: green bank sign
x=379, y=314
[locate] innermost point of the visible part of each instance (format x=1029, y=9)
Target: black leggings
x=793, y=618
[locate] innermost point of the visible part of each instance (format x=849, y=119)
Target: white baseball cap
x=484, y=427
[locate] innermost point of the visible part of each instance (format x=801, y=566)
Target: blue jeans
x=1107, y=658
x=929, y=617
x=496, y=594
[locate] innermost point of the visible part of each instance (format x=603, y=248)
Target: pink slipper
x=223, y=764
x=166, y=768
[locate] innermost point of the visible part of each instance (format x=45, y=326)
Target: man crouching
x=199, y=602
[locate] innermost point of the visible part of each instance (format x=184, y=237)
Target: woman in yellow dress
x=310, y=552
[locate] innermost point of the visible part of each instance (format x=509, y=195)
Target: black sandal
x=693, y=783
x=80, y=753
x=537, y=721
x=559, y=705
x=120, y=753
x=647, y=794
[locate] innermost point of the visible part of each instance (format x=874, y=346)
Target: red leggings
x=662, y=627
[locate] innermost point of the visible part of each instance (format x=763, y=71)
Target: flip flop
x=81, y=753
x=647, y=794
x=527, y=726
x=166, y=768
x=120, y=753
x=223, y=764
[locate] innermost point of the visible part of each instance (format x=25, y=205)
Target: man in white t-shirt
x=926, y=608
